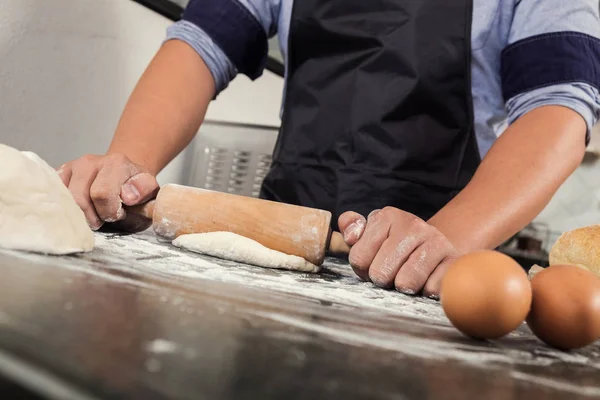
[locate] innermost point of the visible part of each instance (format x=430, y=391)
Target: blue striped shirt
x=525, y=53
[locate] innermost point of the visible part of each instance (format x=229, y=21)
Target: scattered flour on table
x=558, y=385
x=336, y=283
x=436, y=349
x=161, y=346
x=233, y=247
x=379, y=311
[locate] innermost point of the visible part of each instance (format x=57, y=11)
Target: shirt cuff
x=219, y=65
x=582, y=98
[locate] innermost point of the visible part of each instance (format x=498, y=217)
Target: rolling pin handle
x=337, y=245
x=145, y=210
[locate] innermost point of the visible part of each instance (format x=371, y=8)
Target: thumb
x=352, y=226
x=138, y=189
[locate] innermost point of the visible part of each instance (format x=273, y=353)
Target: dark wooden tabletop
x=139, y=319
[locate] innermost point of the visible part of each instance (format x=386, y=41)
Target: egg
x=565, y=312
x=486, y=294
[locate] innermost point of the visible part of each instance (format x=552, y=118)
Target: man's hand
x=102, y=184
x=396, y=248
x=162, y=116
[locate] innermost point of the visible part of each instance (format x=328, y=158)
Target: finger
x=65, y=172
x=81, y=181
x=372, y=213
x=139, y=188
x=414, y=273
x=106, y=189
x=434, y=283
x=364, y=251
x=352, y=225
x=394, y=253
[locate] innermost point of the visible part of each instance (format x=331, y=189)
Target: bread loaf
x=580, y=247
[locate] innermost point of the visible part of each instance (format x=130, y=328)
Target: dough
x=230, y=246
x=37, y=211
x=580, y=247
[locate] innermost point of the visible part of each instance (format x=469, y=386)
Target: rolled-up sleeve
x=553, y=58
x=231, y=36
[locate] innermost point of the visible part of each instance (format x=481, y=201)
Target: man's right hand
x=101, y=185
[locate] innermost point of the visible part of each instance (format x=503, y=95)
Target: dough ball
x=37, y=211
x=486, y=294
x=565, y=312
x=579, y=247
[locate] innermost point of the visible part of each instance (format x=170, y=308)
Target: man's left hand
x=393, y=248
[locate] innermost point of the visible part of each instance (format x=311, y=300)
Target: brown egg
x=565, y=312
x=486, y=294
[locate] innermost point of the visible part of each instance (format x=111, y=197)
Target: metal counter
x=140, y=319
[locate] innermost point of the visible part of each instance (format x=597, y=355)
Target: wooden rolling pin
x=290, y=229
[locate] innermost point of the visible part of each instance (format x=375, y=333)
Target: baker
x=429, y=128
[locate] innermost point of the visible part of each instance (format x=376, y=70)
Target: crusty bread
x=580, y=247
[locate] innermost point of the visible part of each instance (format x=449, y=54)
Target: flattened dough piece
x=37, y=211
x=230, y=246
x=580, y=247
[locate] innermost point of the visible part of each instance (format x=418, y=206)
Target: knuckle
x=443, y=246
x=88, y=158
x=373, y=213
x=417, y=223
x=378, y=217
x=388, y=211
x=100, y=193
x=118, y=158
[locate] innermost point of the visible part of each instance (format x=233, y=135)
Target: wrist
x=463, y=228
x=135, y=156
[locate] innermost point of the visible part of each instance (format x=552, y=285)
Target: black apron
x=378, y=108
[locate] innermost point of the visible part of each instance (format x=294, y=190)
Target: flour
x=229, y=246
x=161, y=346
x=37, y=211
x=558, y=385
x=334, y=305
x=336, y=283
x=434, y=349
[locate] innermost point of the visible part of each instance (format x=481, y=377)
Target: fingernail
x=349, y=232
x=95, y=225
x=354, y=231
x=407, y=291
x=120, y=215
x=129, y=193
x=379, y=282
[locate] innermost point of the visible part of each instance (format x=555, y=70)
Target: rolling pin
x=300, y=231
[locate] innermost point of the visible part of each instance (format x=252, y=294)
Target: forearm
x=516, y=179
x=166, y=108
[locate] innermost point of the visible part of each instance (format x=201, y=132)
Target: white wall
x=577, y=202
x=248, y=102
x=595, y=140
x=67, y=68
